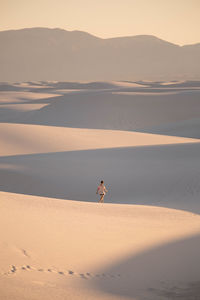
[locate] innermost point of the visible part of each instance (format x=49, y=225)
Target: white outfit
x=101, y=189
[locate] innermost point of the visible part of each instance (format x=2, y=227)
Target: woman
x=101, y=190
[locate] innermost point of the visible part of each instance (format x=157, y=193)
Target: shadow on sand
x=167, y=113
x=166, y=175
x=168, y=271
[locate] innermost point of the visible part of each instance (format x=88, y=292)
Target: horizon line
x=115, y=37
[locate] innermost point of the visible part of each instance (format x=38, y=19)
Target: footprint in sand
x=71, y=272
x=28, y=267
x=49, y=270
x=13, y=269
x=61, y=273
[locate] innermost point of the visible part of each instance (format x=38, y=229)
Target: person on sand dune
x=101, y=190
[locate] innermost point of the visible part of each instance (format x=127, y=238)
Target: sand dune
x=106, y=110
x=29, y=139
x=13, y=104
x=54, y=249
x=13, y=97
x=165, y=175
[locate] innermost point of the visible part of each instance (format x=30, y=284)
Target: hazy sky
x=177, y=21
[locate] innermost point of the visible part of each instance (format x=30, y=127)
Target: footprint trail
x=15, y=269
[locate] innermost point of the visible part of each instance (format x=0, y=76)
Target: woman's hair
x=102, y=181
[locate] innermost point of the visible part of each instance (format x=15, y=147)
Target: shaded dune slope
x=165, y=175
x=174, y=262
x=106, y=110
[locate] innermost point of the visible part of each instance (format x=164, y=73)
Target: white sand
x=55, y=248
x=40, y=234
x=29, y=139
x=22, y=96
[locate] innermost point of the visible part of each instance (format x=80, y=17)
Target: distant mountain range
x=61, y=55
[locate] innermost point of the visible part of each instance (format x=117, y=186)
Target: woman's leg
x=101, y=198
